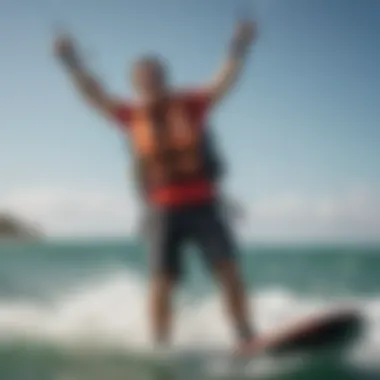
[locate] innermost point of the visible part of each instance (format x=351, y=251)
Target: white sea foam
x=113, y=311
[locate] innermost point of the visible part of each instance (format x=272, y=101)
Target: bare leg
x=161, y=308
x=235, y=298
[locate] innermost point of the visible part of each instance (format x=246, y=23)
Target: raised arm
x=233, y=64
x=87, y=84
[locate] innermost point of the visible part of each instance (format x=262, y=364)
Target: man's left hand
x=245, y=33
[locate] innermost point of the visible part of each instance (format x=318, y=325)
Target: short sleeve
x=122, y=113
x=199, y=102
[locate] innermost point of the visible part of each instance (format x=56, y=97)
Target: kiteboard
x=334, y=330
x=277, y=351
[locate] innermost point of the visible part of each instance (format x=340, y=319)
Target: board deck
x=336, y=331
x=330, y=330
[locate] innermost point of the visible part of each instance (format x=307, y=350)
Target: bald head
x=149, y=76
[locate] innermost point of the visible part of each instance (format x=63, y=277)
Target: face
x=149, y=78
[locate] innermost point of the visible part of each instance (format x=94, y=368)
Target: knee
x=229, y=274
x=162, y=284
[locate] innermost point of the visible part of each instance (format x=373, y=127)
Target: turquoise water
x=74, y=310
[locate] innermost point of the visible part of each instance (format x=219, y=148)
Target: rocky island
x=12, y=228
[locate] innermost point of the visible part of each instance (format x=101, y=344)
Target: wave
x=111, y=313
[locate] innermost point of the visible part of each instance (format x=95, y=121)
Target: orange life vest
x=167, y=144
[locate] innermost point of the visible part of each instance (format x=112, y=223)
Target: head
x=149, y=77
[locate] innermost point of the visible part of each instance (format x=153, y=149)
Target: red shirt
x=198, y=105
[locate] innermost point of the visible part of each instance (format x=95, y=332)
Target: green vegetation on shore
x=13, y=228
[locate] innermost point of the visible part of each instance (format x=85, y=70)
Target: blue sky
x=303, y=124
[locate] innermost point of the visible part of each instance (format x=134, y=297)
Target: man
x=166, y=129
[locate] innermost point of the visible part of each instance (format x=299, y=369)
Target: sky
x=300, y=133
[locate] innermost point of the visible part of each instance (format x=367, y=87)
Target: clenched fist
x=245, y=33
x=64, y=48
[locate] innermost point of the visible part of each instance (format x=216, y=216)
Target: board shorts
x=169, y=229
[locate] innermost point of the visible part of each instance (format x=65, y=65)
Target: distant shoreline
x=284, y=245
x=13, y=229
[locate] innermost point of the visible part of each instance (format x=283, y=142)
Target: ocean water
x=77, y=310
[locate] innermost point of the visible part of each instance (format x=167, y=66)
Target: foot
x=250, y=347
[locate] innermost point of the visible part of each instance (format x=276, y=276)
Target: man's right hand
x=65, y=50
